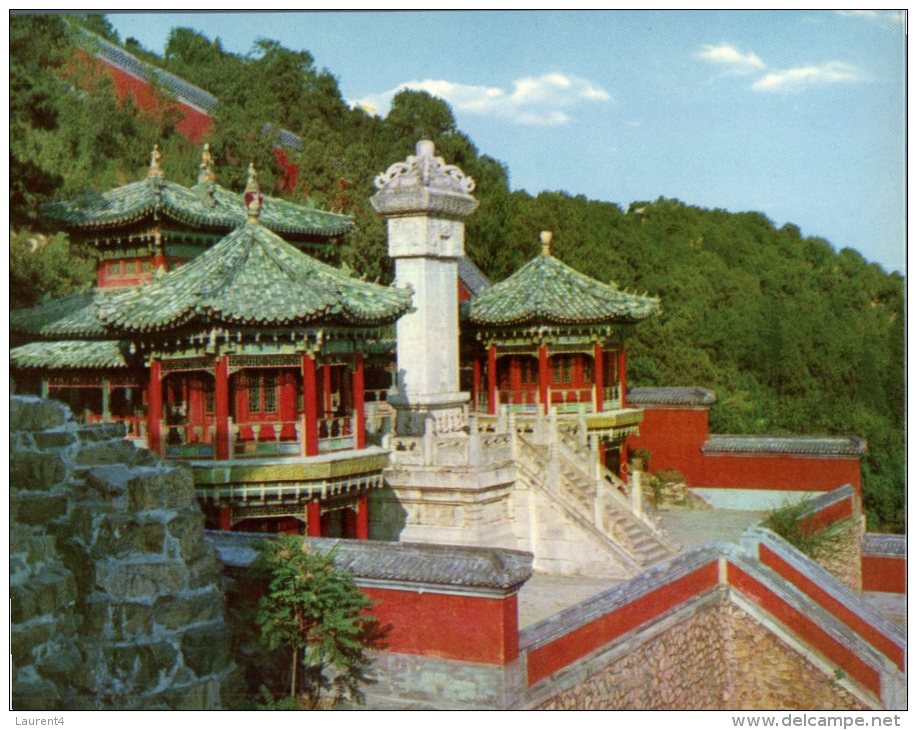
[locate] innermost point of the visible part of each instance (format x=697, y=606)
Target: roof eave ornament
x=155, y=162
x=546, y=238
x=253, y=197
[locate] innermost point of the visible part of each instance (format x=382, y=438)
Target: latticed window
x=529, y=373
x=262, y=394
x=254, y=393
x=270, y=394
x=563, y=369
x=587, y=370
x=114, y=268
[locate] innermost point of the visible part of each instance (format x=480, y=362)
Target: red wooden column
x=515, y=380
x=154, y=407
x=475, y=383
x=314, y=519
x=598, y=375
x=492, y=379
x=363, y=516
x=226, y=517
x=622, y=375
x=287, y=406
x=310, y=407
x=543, y=375
x=326, y=394
x=358, y=407
x=221, y=406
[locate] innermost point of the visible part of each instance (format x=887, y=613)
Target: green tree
x=319, y=615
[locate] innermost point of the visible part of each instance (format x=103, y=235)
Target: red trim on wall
x=563, y=651
x=884, y=573
x=804, y=627
x=826, y=601
x=828, y=516
x=467, y=628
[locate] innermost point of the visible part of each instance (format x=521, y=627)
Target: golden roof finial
x=546, y=238
x=253, y=197
x=206, y=171
x=155, y=158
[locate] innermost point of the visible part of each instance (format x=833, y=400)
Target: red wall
x=468, y=628
x=674, y=436
x=194, y=124
x=781, y=471
x=547, y=659
x=884, y=573
x=826, y=601
x=805, y=628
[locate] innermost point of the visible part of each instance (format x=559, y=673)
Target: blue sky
x=796, y=114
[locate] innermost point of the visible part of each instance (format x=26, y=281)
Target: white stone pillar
x=425, y=202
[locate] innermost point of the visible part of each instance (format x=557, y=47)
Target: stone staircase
x=591, y=495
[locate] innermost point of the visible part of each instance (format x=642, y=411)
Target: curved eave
x=253, y=278
x=69, y=354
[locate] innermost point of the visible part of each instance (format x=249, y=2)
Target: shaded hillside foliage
x=793, y=336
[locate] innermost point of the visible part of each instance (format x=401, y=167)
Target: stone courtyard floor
x=690, y=528
x=544, y=595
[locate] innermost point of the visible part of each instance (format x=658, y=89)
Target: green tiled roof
x=253, y=277
x=69, y=354
x=72, y=316
x=206, y=205
x=547, y=291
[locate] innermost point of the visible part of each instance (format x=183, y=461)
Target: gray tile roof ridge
x=472, y=276
x=452, y=566
x=875, y=543
x=793, y=444
x=671, y=395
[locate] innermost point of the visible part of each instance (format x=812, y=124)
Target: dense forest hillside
x=792, y=335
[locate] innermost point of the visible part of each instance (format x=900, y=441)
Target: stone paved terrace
x=544, y=595
x=691, y=528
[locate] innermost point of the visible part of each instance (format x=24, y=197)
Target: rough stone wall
x=766, y=674
x=840, y=554
x=681, y=668
x=718, y=658
x=115, y=596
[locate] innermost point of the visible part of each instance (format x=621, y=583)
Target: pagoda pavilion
x=552, y=339
x=156, y=223
x=135, y=230
x=248, y=361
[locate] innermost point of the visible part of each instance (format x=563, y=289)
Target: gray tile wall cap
x=814, y=445
x=671, y=396
x=447, y=566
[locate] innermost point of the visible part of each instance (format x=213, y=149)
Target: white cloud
x=893, y=16
x=534, y=100
x=832, y=72
x=731, y=57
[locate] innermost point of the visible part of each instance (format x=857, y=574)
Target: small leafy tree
x=316, y=612
x=789, y=521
